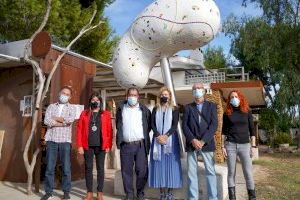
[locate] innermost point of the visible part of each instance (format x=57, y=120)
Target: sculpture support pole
x=166, y=69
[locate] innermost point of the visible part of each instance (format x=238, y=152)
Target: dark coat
x=205, y=130
x=146, y=117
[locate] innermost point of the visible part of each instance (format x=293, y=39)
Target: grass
x=278, y=177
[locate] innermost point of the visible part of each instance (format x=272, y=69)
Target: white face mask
x=63, y=98
x=235, y=102
x=198, y=93
x=132, y=101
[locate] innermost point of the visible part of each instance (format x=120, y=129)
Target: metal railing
x=218, y=77
x=235, y=74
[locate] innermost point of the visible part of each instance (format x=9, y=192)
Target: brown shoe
x=99, y=196
x=89, y=196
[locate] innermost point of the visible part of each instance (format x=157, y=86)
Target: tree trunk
x=29, y=182
x=42, y=88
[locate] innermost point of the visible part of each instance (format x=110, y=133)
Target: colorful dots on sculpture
x=162, y=29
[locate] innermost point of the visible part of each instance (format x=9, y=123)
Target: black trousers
x=134, y=155
x=89, y=158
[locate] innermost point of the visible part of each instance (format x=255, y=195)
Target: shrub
x=282, y=138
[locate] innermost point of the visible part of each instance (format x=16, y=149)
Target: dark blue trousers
x=63, y=151
x=134, y=155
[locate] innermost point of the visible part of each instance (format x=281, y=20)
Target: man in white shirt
x=133, y=121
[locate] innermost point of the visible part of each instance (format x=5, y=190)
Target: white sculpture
x=162, y=29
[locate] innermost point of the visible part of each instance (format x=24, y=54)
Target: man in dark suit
x=133, y=122
x=199, y=127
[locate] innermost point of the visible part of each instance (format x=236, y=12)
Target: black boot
x=251, y=194
x=231, y=192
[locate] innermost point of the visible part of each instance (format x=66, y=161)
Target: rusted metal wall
x=15, y=83
x=78, y=74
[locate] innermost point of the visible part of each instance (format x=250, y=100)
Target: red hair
x=244, y=106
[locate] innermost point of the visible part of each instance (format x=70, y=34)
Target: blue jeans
x=211, y=179
x=63, y=150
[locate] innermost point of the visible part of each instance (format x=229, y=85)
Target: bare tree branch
x=42, y=88
x=43, y=24
x=41, y=79
x=84, y=30
x=297, y=14
x=90, y=21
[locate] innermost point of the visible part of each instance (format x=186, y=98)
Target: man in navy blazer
x=199, y=126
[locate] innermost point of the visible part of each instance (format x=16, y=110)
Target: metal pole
x=243, y=74
x=103, y=95
x=165, y=66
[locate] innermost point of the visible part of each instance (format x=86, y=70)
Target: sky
x=122, y=13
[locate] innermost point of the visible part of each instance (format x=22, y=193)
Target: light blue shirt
x=199, y=107
x=132, y=123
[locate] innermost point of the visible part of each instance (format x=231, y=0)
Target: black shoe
x=66, y=196
x=251, y=195
x=140, y=197
x=169, y=196
x=162, y=196
x=128, y=197
x=47, y=196
x=231, y=193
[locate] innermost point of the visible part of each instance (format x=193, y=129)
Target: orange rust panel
x=242, y=84
x=41, y=45
x=48, y=61
x=90, y=69
x=73, y=77
x=15, y=83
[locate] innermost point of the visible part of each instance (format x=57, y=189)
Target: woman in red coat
x=94, y=138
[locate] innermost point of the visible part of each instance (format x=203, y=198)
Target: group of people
x=134, y=121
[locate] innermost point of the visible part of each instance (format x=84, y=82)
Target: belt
x=135, y=142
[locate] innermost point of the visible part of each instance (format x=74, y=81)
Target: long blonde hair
x=161, y=90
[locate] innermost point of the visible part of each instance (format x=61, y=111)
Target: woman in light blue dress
x=165, y=167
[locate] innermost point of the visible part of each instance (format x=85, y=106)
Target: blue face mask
x=235, y=102
x=132, y=101
x=63, y=98
x=198, y=93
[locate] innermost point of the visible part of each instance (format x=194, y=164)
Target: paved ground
x=241, y=190
x=17, y=191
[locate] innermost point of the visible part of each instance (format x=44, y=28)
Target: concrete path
x=241, y=190
x=17, y=191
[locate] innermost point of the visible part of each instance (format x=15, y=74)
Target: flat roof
x=12, y=52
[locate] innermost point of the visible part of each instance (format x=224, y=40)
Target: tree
x=214, y=58
x=269, y=48
x=284, y=17
x=278, y=11
x=43, y=83
x=19, y=19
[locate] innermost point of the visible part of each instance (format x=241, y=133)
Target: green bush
x=282, y=138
